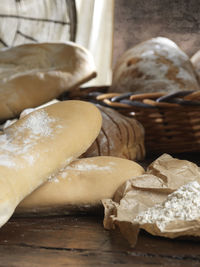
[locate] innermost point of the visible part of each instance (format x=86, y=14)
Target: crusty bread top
x=57, y=124
x=157, y=64
x=195, y=59
x=32, y=74
x=120, y=136
x=40, y=144
x=84, y=182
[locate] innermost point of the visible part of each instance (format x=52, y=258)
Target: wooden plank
x=55, y=232
x=82, y=241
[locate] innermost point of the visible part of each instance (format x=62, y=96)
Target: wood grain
x=82, y=241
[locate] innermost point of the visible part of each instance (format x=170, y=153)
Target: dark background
x=139, y=20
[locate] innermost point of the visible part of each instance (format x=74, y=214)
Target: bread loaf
x=39, y=145
x=154, y=65
x=32, y=74
x=120, y=136
x=195, y=59
x=81, y=185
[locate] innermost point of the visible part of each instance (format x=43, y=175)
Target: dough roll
x=41, y=143
x=81, y=185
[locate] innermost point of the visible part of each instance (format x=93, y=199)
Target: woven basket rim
x=129, y=100
x=172, y=124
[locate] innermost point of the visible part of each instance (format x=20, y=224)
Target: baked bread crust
x=120, y=136
x=33, y=74
x=195, y=59
x=39, y=145
x=155, y=65
x=80, y=186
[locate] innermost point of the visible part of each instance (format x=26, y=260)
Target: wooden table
x=82, y=241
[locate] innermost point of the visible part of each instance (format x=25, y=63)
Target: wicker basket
x=171, y=122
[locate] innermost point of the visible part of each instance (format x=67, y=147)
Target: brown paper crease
x=163, y=176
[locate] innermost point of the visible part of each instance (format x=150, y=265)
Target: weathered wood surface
x=82, y=241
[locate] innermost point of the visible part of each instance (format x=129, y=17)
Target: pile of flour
x=181, y=205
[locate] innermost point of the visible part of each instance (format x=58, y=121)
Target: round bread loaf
x=156, y=65
x=195, y=59
x=39, y=145
x=82, y=184
x=120, y=136
x=32, y=74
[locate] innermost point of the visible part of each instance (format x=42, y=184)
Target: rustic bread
x=26, y=112
x=39, y=145
x=154, y=65
x=120, y=136
x=195, y=59
x=32, y=74
x=80, y=186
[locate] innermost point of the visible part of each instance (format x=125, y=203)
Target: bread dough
x=39, y=145
x=81, y=184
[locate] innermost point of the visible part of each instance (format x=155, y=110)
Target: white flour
x=6, y=161
x=62, y=173
x=81, y=168
x=87, y=167
x=183, y=205
x=38, y=123
x=17, y=142
x=53, y=179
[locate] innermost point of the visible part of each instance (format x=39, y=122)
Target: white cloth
x=95, y=32
x=46, y=21
x=33, y=21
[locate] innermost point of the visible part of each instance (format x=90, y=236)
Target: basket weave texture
x=171, y=122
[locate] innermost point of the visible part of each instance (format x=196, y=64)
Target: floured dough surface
x=120, y=136
x=40, y=144
x=157, y=64
x=83, y=183
x=32, y=74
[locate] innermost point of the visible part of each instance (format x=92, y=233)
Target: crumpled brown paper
x=165, y=175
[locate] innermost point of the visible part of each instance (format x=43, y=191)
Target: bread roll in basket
x=156, y=65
